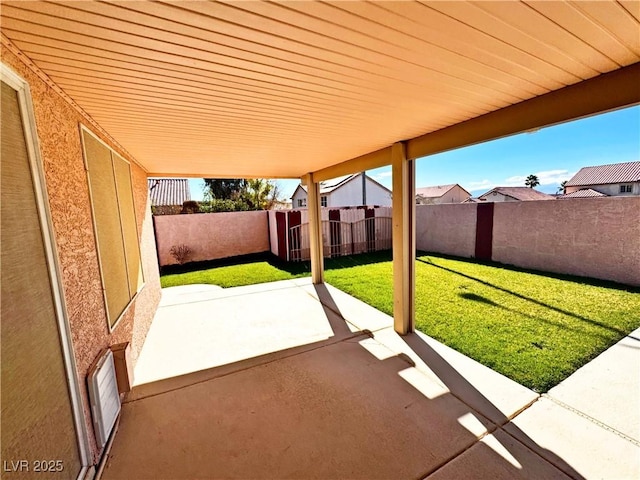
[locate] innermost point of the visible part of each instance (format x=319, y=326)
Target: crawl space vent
x=104, y=397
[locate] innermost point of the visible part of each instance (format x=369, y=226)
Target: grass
x=534, y=328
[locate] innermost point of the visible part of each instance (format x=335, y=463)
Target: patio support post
x=404, y=239
x=315, y=229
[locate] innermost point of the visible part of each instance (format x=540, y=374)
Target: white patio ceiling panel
x=281, y=89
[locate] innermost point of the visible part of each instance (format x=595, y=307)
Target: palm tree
x=562, y=187
x=532, y=181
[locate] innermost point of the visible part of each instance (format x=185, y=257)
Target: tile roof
x=435, y=191
x=603, y=174
x=584, y=193
x=519, y=193
x=168, y=191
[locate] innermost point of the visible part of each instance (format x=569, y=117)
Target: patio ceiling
x=282, y=89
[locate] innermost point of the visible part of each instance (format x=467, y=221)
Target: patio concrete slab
x=332, y=412
x=286, y=387
x=608, y=387
x=591, y=449
x=517, y=462
x=215, y=327
x=487, y=391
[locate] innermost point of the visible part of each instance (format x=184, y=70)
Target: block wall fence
x=589, y=237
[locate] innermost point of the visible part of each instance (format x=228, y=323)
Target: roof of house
x=603, y=174
x=329, y=186
x=584, y=193
x=169, y=191
x=437, y=191
x=519, y=193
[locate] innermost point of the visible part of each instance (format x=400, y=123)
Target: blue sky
x=553, y=154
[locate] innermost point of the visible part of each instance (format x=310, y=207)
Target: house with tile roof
x=513, y=194
x=346, y=191
x=452, y=193
x=167, y=195
x=607, y=180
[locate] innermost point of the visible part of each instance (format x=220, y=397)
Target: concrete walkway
x=292, y=380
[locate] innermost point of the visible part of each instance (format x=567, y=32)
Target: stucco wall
x=377, y=195
x=347, y=194
x=591, y=237
x=57, y=124
x=212, y=235
x=447, y=228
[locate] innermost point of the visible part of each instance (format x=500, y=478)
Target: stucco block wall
x=591, y=237
x=446, y=228
x=376, y=195
x=212, y=235
x=57, y=123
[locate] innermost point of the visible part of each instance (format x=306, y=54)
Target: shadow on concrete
x=331, y=409
x=468, y=394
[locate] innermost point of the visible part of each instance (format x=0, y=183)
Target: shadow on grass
x=294, y=268
x=472, y=296
x=479, y=298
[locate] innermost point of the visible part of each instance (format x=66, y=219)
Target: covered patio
x=295, y=380
x=315, y=90
x=325, y=387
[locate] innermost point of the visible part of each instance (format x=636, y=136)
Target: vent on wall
x=104, y=397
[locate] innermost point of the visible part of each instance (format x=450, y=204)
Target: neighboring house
x=346, y=191
x=168, y=194
x=452, y=193
x=513, y=194
x=281, y=205
x=614, y=179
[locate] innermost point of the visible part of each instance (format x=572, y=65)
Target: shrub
x=180, y=253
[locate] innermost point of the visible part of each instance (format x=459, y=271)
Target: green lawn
x=534, y=328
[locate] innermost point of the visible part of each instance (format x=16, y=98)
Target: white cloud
x=551, y=177
x=382, y=175
x=545, y=177
x=482, y=185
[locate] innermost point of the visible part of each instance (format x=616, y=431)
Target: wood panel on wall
x=115, y=224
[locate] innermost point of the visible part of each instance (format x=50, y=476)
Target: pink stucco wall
x=446, y=228
x=212, y=235
x=57, y=123
x=590, y=237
